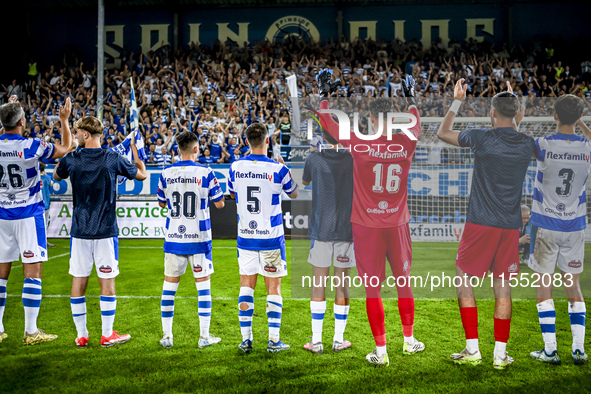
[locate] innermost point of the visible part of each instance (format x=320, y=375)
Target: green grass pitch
x=142, y=365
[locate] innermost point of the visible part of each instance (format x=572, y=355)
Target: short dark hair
x=380, y=105
x=329, y=138
x=506, y=103
x=256, y=134
x=568, y=108
x=186, y=140
x=10, y=115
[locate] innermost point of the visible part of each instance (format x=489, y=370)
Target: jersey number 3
x=392, y=178
x=569, y=176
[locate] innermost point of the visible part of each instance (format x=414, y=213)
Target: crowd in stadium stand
x=216, y=91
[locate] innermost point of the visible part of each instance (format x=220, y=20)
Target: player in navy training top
x=94, y=234
x=490, y=240
x=22, y=226
x=329, y=169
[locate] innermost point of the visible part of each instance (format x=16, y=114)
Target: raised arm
x=584, y=128
x=446, y=132
x=66, y=141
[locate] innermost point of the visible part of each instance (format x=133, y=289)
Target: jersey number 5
x=254, y=204
x=392, y=178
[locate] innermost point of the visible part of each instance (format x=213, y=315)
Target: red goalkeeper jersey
x=380, y=174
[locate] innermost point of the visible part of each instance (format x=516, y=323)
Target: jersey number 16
x=392, y=178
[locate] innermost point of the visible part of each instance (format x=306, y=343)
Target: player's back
x=93, y=174
x=20, y=179
x=186, y=187
x=330, y=171
x=380, y=173
x=501, y=158
x=559, y=200
x=257, y=183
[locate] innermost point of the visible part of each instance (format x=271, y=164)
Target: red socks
x=502, y=328
x=406, y=308
x=470, y=322
x=375, y=315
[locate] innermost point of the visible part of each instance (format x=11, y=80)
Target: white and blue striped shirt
x=186, y=188
x=560, y=200
x=20, y=179
x=257, y=183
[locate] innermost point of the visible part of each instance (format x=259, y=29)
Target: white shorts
x=567, y=249
x=323, y=254
x=176, y=264
x=104, y=253
x=25, y=238
x=270, y=263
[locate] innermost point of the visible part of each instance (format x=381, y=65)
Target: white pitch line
x=59, y=255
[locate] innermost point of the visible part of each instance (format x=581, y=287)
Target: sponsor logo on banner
x=105, y=269
x=28, y=254
x=575, y=264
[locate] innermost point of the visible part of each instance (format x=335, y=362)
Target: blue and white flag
x=124, y=148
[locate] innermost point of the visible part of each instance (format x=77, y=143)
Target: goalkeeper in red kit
x=380, y=213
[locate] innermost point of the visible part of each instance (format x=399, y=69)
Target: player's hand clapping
x=65, y=110
x=460, y=90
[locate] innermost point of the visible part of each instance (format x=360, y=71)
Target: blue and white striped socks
x=3, y=283
x=577, y=313
x=274, y=308
x=167, y=307
x=547, y=317
x=245, y=311
x=317, y=309
x=31, y=303
x=204, y=306
x=78, y=305
x=341, y=312
x=108, y=307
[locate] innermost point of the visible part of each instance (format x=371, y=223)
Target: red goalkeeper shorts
x=373, y=245
x=484, y=249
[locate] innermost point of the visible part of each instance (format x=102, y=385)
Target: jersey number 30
x=392, y=178
x=187, y=203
